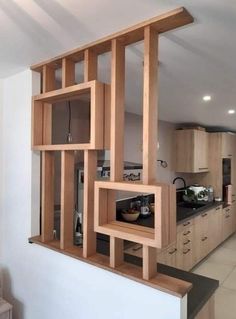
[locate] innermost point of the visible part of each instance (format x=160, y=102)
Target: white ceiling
x=196, y=60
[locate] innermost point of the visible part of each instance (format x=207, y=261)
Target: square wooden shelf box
x=164, y=231
x=42, y=116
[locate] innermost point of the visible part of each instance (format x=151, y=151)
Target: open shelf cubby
x=43, y=110
x=105, y=213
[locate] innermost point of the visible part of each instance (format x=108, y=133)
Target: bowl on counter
x=130, y=215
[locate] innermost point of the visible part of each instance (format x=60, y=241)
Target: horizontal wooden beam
x=161, y=23
x=67, y=92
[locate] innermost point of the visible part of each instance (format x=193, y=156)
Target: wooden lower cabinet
x=228, y=223
x=196, y=238
x=215, y=227
x=169, y=256
x=201, y=235
x=185, y=248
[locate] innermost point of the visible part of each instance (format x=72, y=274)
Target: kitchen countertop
x=203, y=287
x=183, y=213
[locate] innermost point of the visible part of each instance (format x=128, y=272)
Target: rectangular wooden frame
x=42, y=116
x=105, y=220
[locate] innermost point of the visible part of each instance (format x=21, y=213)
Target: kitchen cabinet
x=185, y=246
x=215, y=227
x=196, y=238
x=169, y=256
x=227, y=228
x=191, y=151
x=227, y=145
x=201, y=230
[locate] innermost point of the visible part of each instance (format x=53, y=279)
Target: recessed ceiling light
x=206, y=98
x=231, y=111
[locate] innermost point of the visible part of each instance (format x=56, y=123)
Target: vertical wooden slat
x=117, y=110
x=116, y=251
x=47, y=123
x=149, y=262
x=90, y=65
x=107, y=116
x=47, y=196
x=97, y=116
x=37, y=123
x=90, y=171
x=117, y=133
x=68, y=72
x=49, y=80
x=67, y=198
x=150, y=119
x=90, y=166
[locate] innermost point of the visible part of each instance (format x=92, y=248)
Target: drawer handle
x=137, y=248
x=173, y=251
x=204, y=215
x=201, y=168
x=187, y=242
x=187, y=251
x=186, y=224
x=187, y=233
x=229, y=155
x=205, y=238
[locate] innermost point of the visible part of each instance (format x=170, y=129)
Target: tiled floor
x=221, y=265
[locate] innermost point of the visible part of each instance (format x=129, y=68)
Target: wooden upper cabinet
x=228, y=145
x=191, y=151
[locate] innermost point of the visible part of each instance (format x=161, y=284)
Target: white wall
x=41, y=283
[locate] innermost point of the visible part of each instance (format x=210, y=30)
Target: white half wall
x=40, y=283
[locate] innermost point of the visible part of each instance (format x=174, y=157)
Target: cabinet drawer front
x=184, y=226
x=185, y=237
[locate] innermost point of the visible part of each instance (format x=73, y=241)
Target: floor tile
x=224, y=256
x=225, y=305
x=230, y=243
x=230, y=281
x=214, y=270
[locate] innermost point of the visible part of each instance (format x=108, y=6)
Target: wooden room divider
x=107, y=110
